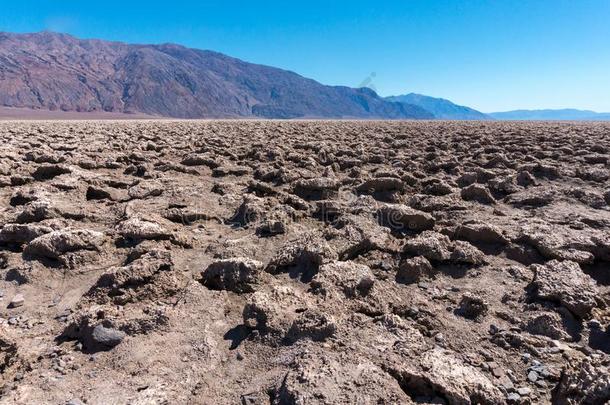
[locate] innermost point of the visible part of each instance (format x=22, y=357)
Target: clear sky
x=492, y=55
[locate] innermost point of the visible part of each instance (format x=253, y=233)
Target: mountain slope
x=59, y=72
x=567, y=114
x=441, y=108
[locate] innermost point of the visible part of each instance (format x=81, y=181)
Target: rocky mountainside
x=52, y=71
x=441, y=108
x=567, y=114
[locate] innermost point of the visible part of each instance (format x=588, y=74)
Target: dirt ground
x=304, y=262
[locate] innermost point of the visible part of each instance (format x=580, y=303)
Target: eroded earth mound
x=256, y=262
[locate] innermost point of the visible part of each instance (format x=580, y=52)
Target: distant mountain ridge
x=440, y=107
x=52, y=71
x=566, y=114
x=57, y=72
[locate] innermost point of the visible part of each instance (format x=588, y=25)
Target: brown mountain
x=52, y=71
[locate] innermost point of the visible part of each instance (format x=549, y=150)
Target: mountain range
x=446, y=110
x=52, y=71
x=441, y=108
x=567, y=114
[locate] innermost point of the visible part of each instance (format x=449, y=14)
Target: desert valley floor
x=304, y=262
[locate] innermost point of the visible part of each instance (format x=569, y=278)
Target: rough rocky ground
x=260, y=262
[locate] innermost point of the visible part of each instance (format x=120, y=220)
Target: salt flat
x=304, y=262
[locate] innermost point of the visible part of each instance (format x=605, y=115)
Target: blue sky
x=491, y=55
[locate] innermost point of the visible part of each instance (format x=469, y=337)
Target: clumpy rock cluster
x=312, y=262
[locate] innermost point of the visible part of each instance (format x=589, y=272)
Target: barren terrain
x=304, y=262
